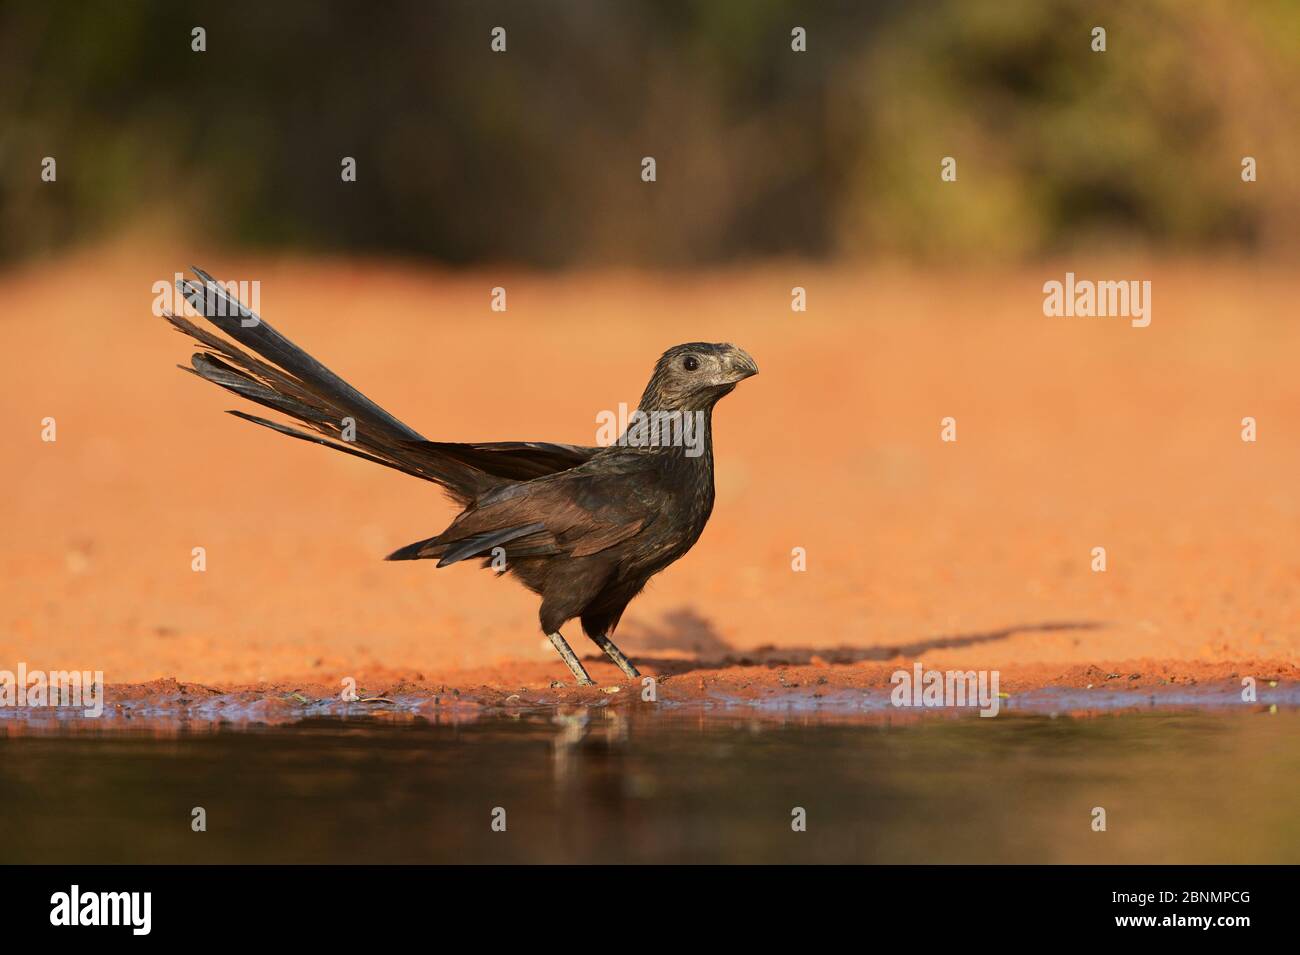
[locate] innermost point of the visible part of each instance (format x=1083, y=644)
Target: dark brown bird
x=584, y=527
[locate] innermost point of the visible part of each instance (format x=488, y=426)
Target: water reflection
x=631, y=783
x=582, y=731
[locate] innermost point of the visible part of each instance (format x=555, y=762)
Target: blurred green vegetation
x=534, y=155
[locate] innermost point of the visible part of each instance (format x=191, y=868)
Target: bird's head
x=694, y=376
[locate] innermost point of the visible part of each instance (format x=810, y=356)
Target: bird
x=584, y=528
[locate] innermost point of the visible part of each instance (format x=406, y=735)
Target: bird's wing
x=573, y=514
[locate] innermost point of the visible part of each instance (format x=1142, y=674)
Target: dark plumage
x=584, y=527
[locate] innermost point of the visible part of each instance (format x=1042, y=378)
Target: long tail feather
x=229, y=314
x=286, y=379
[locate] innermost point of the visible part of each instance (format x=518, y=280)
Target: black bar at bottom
x=350, y=904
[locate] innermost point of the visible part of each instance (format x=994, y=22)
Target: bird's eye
x=690, y=363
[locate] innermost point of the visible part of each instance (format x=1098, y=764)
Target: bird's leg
x=571, y=659
x=615, y=654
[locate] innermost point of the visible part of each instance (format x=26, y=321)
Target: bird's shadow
x=685, y=630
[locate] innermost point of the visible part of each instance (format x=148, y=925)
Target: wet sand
x=1072, y=433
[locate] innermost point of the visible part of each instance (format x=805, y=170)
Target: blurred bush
x=534, y=155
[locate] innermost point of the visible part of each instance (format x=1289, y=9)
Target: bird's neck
x=680, y=435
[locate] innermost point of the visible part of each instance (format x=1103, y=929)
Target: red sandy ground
x=1072, y=433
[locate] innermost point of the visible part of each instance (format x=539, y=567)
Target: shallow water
x=618, y=784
